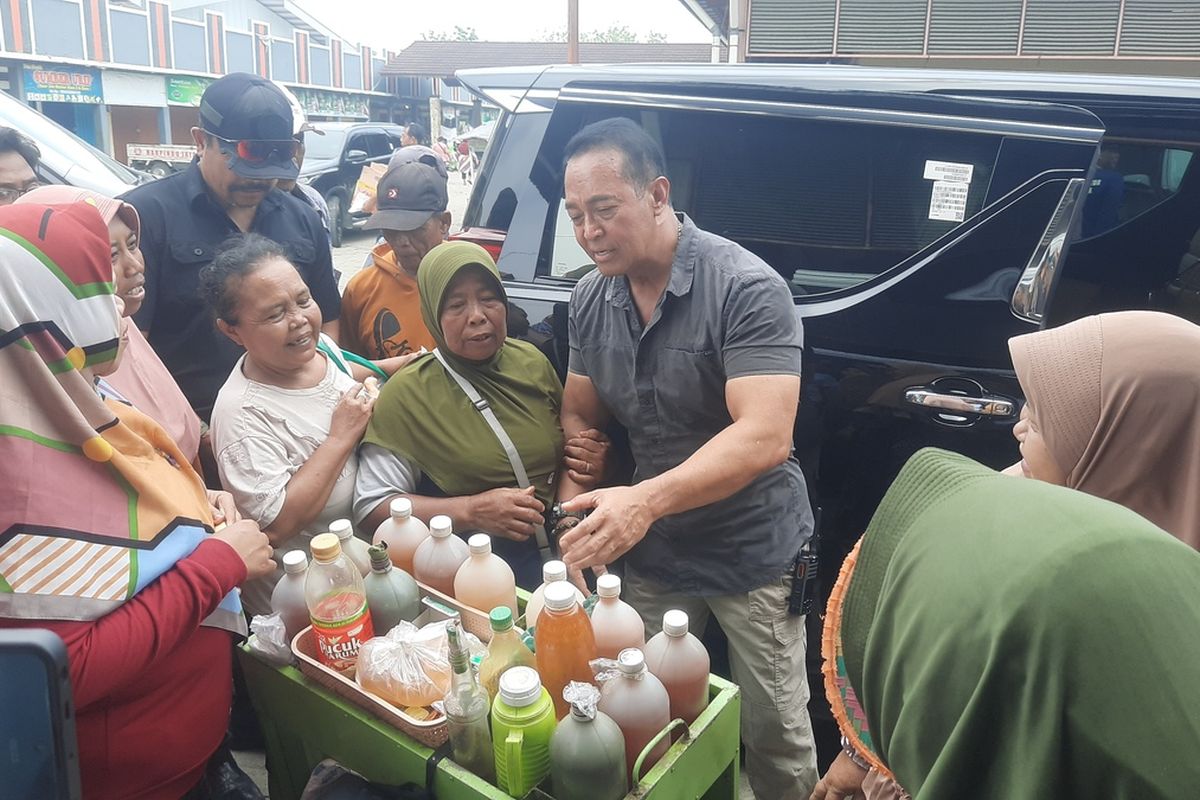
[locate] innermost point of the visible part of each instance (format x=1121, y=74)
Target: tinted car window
x=1130, y=178
x=377, y=144
x=828, y=204
x=324, y=146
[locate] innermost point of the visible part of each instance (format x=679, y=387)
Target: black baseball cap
x=408, y=194
x=241, y=107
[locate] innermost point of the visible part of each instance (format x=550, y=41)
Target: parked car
x=333, y=162
x=921, y=218
x=65, y=157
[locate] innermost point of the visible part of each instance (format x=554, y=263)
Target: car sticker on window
x=951, y=181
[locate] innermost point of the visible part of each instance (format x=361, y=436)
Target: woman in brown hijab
x=1113, y=410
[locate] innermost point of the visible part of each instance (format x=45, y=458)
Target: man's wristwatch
x=853, y=755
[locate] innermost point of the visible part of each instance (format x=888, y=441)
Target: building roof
x=710, y=13
x=443, y=59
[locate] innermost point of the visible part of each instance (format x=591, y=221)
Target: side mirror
x=356, y=156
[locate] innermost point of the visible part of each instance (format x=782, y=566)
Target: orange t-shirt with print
x=381, y=310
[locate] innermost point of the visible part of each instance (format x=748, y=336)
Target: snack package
x=364, y=190
x=410, y=666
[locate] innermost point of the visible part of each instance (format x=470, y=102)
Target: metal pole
x=572, y=31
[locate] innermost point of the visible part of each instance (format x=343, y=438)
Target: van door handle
x=986, y=406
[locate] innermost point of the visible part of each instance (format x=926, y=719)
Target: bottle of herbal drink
x=337, y=604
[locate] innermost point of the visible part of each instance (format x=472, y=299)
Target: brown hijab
x=1116, y=398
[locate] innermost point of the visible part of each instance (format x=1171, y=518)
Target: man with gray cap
x=244, y=146
x=381, y=308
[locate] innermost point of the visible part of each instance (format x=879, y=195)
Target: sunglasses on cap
x=260, y=151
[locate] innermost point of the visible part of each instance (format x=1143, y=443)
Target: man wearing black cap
x=381, y=308
x=244, y=145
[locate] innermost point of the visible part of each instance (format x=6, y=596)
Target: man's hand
x=619, y=519
x=223, y=508
x=843, y=781
x=586, y=457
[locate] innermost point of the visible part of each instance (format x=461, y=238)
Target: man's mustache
x=252, y=186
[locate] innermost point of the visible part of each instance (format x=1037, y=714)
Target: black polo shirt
x=182, y=226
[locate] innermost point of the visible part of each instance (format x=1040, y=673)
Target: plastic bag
x=269, y=640
x=410, y=666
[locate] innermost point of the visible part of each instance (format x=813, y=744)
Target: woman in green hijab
x=993, y=638
x=431, y=441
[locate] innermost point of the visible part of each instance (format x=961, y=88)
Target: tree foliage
x=460, y=34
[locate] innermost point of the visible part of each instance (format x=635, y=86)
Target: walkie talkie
x=802, y=598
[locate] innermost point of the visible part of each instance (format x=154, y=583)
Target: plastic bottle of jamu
x=565, y=643
x=402, y=532
x=680, y=661
x=638, y=703
x=337, y=604
x=615, y=623
x=392, y=594
x=504, y=651
x=287, y=599
x=485, y=581
x=551, y=571
x=587, y=751
x=438, y=558
x=354, y=548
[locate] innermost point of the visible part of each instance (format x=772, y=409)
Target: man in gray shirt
x=693, y=344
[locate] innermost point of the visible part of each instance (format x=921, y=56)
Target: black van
x=921, y=217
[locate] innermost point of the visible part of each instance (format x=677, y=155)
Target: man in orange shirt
x=381, y=309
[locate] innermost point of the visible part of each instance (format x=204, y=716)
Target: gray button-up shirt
x=725, y=314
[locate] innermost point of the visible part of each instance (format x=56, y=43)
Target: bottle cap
x=559, y=596
x=675, y=623
x=401, y=508
x=295, y=561
x=380, y=561
x=608, y=585
x=341, y=528
x=326, y=546
x=520, y=686
x=631, y=661
x=440, y=527
x=554, y=571
x=480, y=544
x=501, y=618
x=583, y=699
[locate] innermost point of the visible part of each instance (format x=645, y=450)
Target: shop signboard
x=333, y=104
x=62, y=84
x=186, y=91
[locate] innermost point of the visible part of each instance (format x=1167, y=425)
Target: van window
x=827, y=204
x=1130, y=178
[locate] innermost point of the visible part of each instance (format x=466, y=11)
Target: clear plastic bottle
x=485, y=581
x=337, y=604
x=615, y=623
x=392, y=594
x=287, y=598
x=467, y=706
x=680, y=661
x=638, y=703
x=437, y=560
x=402, y=532
x=551, y=571
x=354, y=547
x=587, y=751
x=505, y=650
x=565, y=643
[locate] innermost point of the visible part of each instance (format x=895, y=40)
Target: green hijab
x=424, y=416
x=1011, y=639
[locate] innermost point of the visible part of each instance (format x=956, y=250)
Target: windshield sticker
x=949, y=201
x=948, y=171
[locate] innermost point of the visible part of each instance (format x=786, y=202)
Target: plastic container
x=551, y=571
x=402, y=533
x=392, y=594
x=485, y=581
x=505, y=650
x=467, y=706
x=354, y=548
x=614, y=622
x=287, y=598
x=565, y=643
x=437, y=560
x=681, y=663
x=337, y=604
x=638, y=703
x=587, y=751
x=523, y=722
